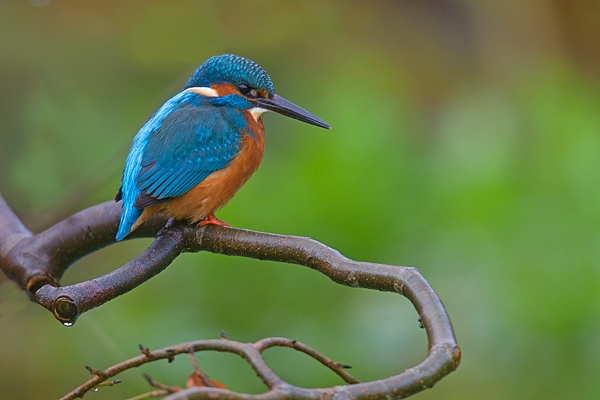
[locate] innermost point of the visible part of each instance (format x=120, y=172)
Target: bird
x=202, y=145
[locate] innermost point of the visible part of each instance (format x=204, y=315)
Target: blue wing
x=191, y=144
x=185, y=141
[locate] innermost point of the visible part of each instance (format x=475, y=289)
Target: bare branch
x=199, y=378
x=37, y=262
x=294, y=344
x=251, y=352
x=161, y=386
x=149, y=395
x=12, y=232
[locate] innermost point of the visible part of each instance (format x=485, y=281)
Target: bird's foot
x=212, y=220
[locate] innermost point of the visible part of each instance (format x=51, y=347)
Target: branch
x=37, y=262
x=251, y=352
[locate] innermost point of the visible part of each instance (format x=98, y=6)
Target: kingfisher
x=198, y=149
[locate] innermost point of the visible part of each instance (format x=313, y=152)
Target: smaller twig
x=171, y=358
x=336, y=367
x=107, y=383
x=155, y=393
x=197, y=371
x=97, y=372
x=146, y=351
x=161, y=386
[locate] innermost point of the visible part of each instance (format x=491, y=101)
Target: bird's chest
x=219, y=187
x=248, y=159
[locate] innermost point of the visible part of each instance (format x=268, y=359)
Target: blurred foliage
x=465, y=143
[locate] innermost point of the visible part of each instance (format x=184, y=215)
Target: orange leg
x=212, y=220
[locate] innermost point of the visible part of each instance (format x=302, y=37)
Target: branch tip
x=158, y=385
x=107, y=383
x=198, y=374
x=149, y=379
x=98, y=372
x=65, y=310
x=171, y=355
x=143, y=349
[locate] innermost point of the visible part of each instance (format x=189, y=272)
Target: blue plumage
x=234, y=69
x=130, y=189
x=198, y=132
x=191, y=143
x=185, y=141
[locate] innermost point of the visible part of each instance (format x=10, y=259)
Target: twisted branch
x=37, y=262
x=251, y=352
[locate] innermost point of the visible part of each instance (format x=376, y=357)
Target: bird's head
x=235, y=81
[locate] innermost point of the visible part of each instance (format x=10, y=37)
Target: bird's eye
x=244, y=89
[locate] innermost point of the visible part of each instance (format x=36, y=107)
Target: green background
x=465, y=142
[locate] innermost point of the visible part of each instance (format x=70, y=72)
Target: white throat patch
x=256, y=112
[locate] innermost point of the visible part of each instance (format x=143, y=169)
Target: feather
x=185, y=141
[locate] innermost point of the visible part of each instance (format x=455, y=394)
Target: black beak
x=289, y=109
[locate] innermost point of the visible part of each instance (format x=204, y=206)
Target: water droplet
x=95, y=390
x=67, y=324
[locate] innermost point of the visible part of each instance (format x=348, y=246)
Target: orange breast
x=219, y=187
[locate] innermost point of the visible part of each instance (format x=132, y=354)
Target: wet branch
x=36, y=262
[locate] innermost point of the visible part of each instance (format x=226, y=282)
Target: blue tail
x=128, y=217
